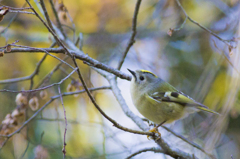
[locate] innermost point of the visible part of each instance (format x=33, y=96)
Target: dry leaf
x=33, y=103
x=21, y=99
x=230, y=48
x=43, y=94
x=8, y=48
x=71, y=88
x=170, y=32
x=3, y=12
x=1, y=53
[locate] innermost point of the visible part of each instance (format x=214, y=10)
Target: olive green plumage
x=158, y=101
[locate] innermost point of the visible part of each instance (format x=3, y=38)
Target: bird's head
x=142, y=79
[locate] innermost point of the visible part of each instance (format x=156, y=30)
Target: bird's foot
x=155, y=130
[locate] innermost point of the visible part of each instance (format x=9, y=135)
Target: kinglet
x=159, y=101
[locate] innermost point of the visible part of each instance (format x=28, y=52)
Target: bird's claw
x=154, y=130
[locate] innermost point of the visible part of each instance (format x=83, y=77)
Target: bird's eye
x=141, y=78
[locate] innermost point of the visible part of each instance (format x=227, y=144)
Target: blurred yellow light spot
x=87, y=21
x=118, y=24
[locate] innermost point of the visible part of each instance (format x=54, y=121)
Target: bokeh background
x=192, y=60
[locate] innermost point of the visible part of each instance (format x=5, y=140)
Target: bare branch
x=29, y=120
x=13, y=8
x=134, y=32
x=81, y=56
x=46, y=15
x=65, y=117
x=103, y=113
x=24, y=12
x=42, y=88
x=57, y=18
x=42, y=108
x=153, y=149
x=117, y=93
x=175, y=153
x=186, y=140
x=166, y=148
x=201, y=26
x=50, y=30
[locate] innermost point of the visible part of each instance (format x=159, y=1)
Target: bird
x=159, y=101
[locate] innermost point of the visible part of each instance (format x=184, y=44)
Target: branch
x=24, y=12
x=49, y=29
x=42, y=88
x=166, y=148
x=171, y=152
x=57, y=18
x=134, y=32
x=65, y=117
x=29, y=120
x=187, y=141
x=45, y=105
x=201, y=26
x=46, y=14
x=39, y=49
x=82, y=56
x=102, y=112
x=117, y=93
x=35, y=72
x=153, y=149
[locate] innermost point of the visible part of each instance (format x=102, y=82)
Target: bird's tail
x=207, y=110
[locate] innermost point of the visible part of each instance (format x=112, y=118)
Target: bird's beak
x=133, y=73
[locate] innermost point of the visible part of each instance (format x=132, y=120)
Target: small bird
x=159, y=101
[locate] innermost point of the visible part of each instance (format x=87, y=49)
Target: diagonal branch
x=201, y=26
x=186, y=140
x=134, y=32
x=79, y=55
x=65, y=117
x=176, y=153
x=46, y=14
x=153, y=149
x=102, y=112
x=44, y=106
x=57, y=19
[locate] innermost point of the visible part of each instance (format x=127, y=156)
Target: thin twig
x=81, y=91
x=65, y=117
x=30, y=77
x=186, y=140
x=134, y=32
x=167, y=149
x=45, y=52
x=49, y=29
x=102, y=112
x=72, y=22
x=10, y=22
x=59, y=25
x=49, y=75
x=153, y=149
x=46, y=14
x=30, y=119
x=3, y=143
x=24, y=12
x=175, y=153
x=117, y=93
x=13, y=8
x=42, y=88
x=41, y=109
x=201, y=26
x=84, y=57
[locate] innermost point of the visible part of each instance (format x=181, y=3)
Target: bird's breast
x=159, y=111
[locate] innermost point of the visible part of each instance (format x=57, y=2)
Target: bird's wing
x=180, y=98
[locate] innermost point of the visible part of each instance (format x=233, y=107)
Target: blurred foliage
x=191, y=59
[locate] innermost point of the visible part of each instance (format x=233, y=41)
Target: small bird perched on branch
x=159, y=101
